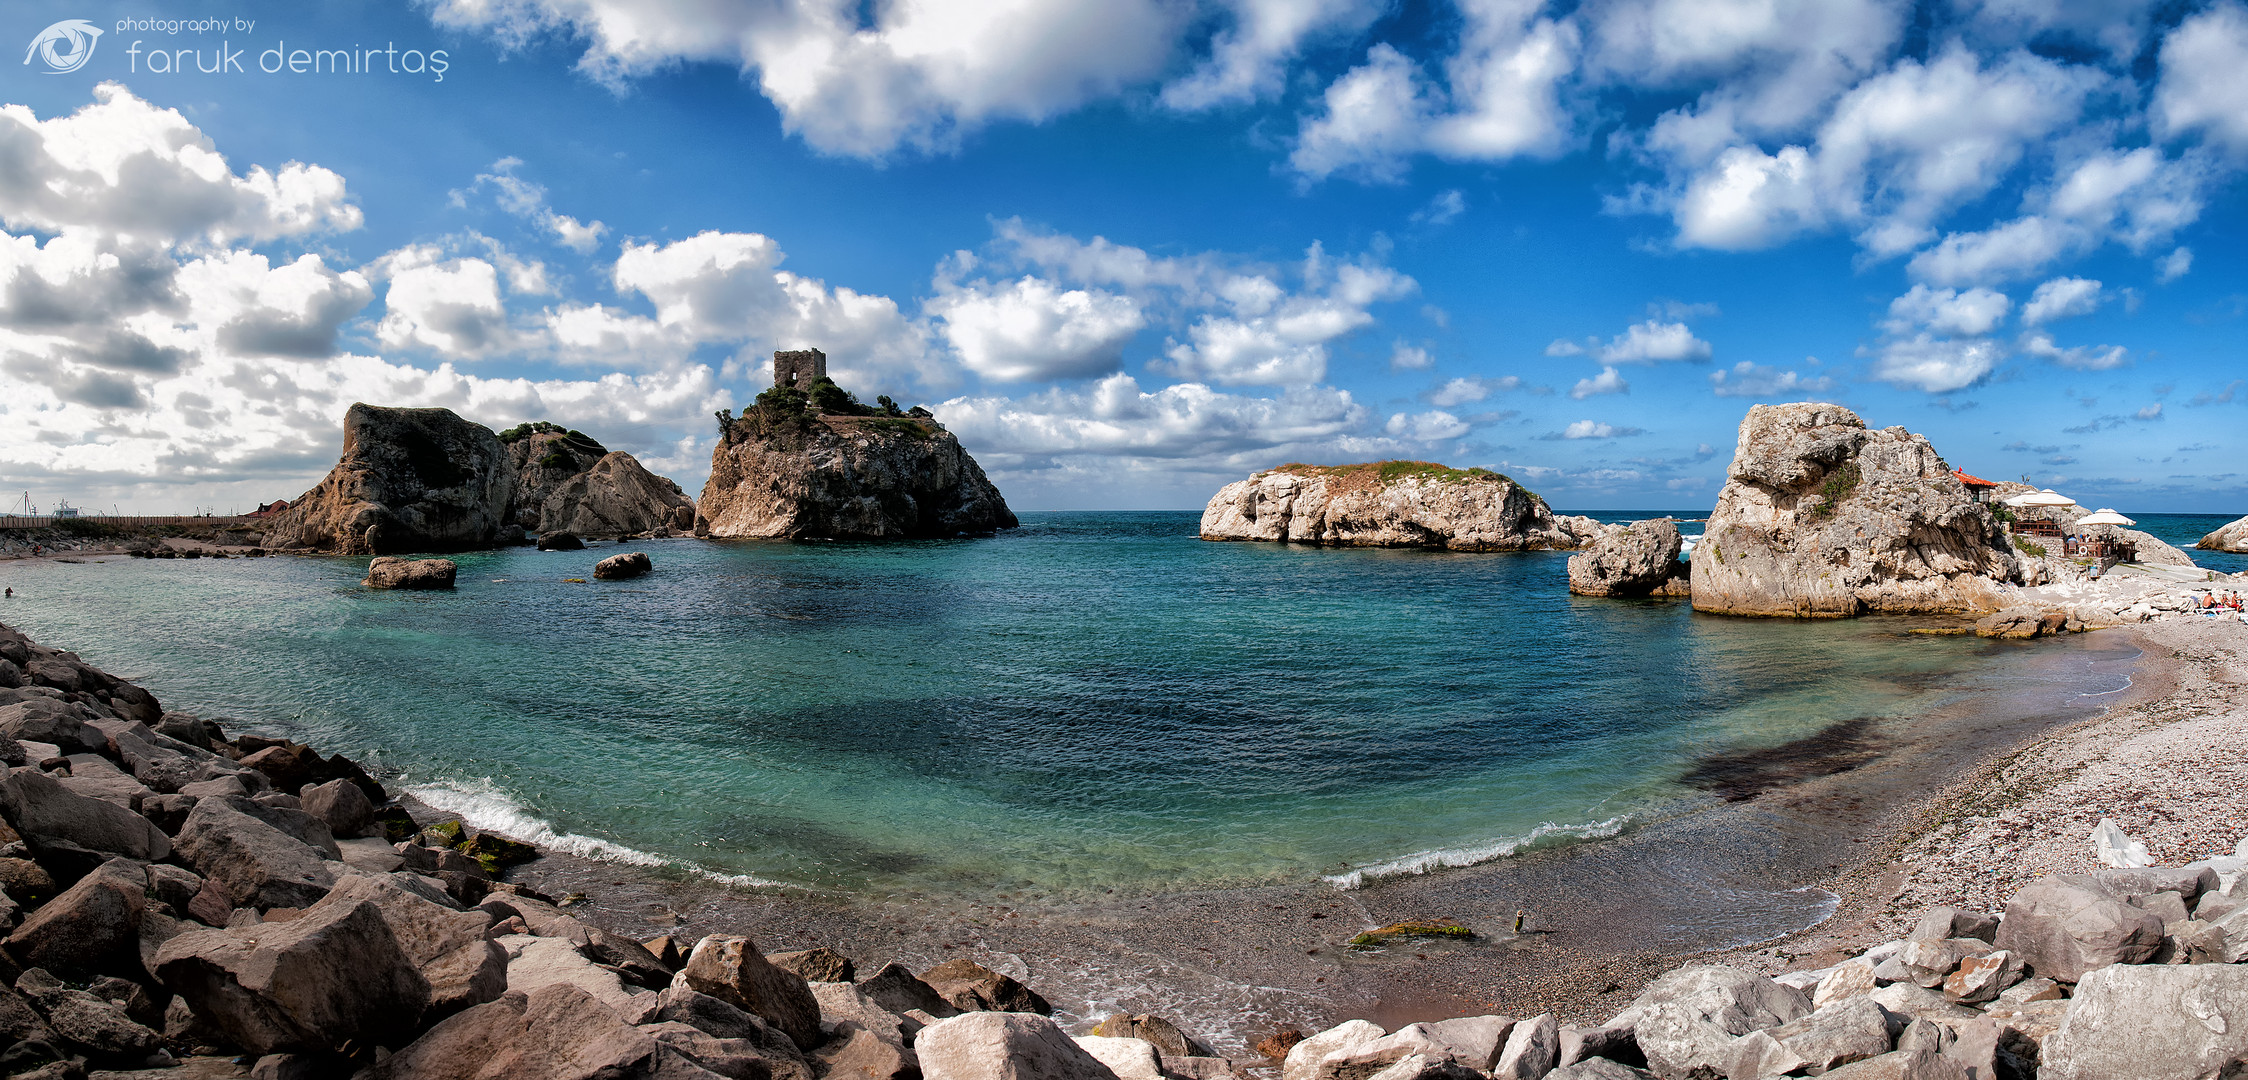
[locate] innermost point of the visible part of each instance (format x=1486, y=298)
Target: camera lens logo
x=64, y=47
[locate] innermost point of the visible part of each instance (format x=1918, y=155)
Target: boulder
x=783, y=473
x=678, y=1004
x=93, y=776
x=857, y=1054
x=1532, y=1050
x=1003, y=1046
x=1905, y=1065
x=1475, y=1046
x=2232, y=537
x=732, y=970
x=340, y=805
x=1389, y=504
x=59, y=824
x=842, y=1003
x=631, y=564
x=1304, y=1058
x=1687, y=1018
x=46, y=720
x=94, y=927
x=1162, y=1034
x=1820, y=516
x=1627, y=560
x=465, y=977
x=2189, y=883
x=1983, y=978
x=565, y=482
x=557, y=1032
x=332, y=975
x=2067, y=925
x=81, y=1019
x=1853, y=1030
x=391, y=572
x=249, y=862
x=560, y=540
x=1129, y=1059
x=408, y=480
x=1598, y=1069
x=537, y=962
x=897, y=989
x=1926, y=963
x=1427, y=1067
x=2151, y=1023
x=425, y=930
x=1846, y=980
x=1945, y=923
x=970, y=986
x=732, y=1057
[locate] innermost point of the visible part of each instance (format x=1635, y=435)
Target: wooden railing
x=17, y=521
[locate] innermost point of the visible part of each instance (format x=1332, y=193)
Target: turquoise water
x=2183, y=530
x=1090, y=702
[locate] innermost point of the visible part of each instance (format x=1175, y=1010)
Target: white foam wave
x=486, y=807
x=1421, y=862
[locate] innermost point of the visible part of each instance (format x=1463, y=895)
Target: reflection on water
x=1092, y=701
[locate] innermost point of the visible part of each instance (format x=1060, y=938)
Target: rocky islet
x=1390, y=504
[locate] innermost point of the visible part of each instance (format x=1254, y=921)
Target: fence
x=127, y=523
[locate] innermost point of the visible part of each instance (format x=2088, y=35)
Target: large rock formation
x=1390, y=504
x=415, y=480
x=1822, y=517
x=409, y=480
x=796, y=473
x=1638, y=559
x=567, y=482
x=2233, y=537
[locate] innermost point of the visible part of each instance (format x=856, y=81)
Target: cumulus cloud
x=2204, y=85
x=1468, y=390
x=1607, y=382
x=1972, y=312
x=1752, y=380
x=1403, y=357
x=1114, y=416
x=1564, y=347
x=2175, y=265
x=1592, y=429
x=2080, y=357
x=1435, y=425
x=2062, y=298
x=449, y=306
x=1248, y=59
x=1653, y=342
x=527, y=200
x=1030, y=330
x=1936, y=365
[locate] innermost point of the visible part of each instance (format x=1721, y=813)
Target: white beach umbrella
x=2047, y=497
x=2104, y=516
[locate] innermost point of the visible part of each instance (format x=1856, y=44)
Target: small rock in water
x=631, y=564
x=391, y=572
x=1411, y=928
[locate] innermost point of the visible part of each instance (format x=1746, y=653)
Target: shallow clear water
x=1091, y=701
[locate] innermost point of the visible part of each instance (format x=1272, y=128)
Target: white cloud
x=1115, y=417
x=1248, y=60
x=1752, y=380
x=1776, y=65
x=2151, y=412
x=2062, y=298
x=1973, y=312
x=2136, y=197
x=1445, y=208
x=1654, y=341
x=1564, y=347
x=450, y=306
x=2080, y=357
x=1403, y=357
x=1607, y=382
x=2175, y=265
x=1028, y=329
x=1936, y=365
x=2204, y=85
x=1749, y=199
x=1428, y=427
x=1594, y=429
x=1471, y=389
x=124, y=166
x=527, y=200
x=1372, y=120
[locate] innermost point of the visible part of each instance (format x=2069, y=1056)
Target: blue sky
x=1133, y=250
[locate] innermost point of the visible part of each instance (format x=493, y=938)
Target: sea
x=1090, y=704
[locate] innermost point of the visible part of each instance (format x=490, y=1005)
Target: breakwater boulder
x=1638, y=559
x=631, y=564
x=427, y=480
x=1391, y=504
x=783, y=470
x=392, y=572
x=1822, y=516
x=2232, y=537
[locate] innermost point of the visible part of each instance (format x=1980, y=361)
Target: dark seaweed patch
x=1746, y=774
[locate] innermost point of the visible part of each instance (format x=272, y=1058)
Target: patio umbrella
x=2047, y=497
x=2104, y=516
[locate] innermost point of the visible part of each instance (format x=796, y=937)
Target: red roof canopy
x=1973, y=481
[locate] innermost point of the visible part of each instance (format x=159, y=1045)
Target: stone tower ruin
x=800, y=368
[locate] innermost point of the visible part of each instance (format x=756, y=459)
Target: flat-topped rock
x=1390, y=504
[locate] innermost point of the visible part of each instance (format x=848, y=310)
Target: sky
x=1133, y=250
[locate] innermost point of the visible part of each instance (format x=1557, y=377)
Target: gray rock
x=424, y=930
x=1003, y=1046
x=1849, y=979
x=1945, y=923
x=842, y=1003
x=567, y=484
x=970, y=986
x=1427, y=1067
x=1628, y=560
x=391, y=572
x=341, y=806
x=2231, y=537
x=371, y=854
x=534, y=963
x=464, y=978
x=1854, y=1030
x=845, y=478
x=1532, y=1050
x=249, y=862
x=2067, y=925
x=1927, y=963
x=83, y=1020
x=1821, y=516
x=59, y=823
x=552, y=1033
x=408, y=480
x=217, y=787
x=161, y=762
x=2166, y=906
x=1688, y=1017
x=1598, y=1069
x=897, y=989
x=93, y=927
x=1905, y=1002
x=2151, y=1023
x=46, y=720
x=731, y=969
x=93, y=776
x=1615, y=1044
x=1475, y=1047
x=1304, y=1058
x=1129, y=1059
x=1983, y=978
x=729, y=1057
x=1474, y=1041
x=331, y=975
x=1904, y=1065
x=857, y=1054
x=630, y=564
x=1387, y=504
x=560, y=540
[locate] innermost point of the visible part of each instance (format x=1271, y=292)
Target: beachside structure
x=799, y=368
x=1978, y=488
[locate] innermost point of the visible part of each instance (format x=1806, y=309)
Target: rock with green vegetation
x=495, y=852
x=1822, y=516
x=1411, y=928
x=788, y=469
x=1391, y=504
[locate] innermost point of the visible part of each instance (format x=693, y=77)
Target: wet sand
x=1788, y=839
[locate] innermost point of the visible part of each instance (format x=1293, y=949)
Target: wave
x=1421, y=862
x=485, y=806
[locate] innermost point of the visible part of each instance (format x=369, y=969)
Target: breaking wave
x=485, y=806
x=1421, y=862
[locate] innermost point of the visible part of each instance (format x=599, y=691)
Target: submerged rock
x=1821, y=516
x=1390, y=504
x=779, y=472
